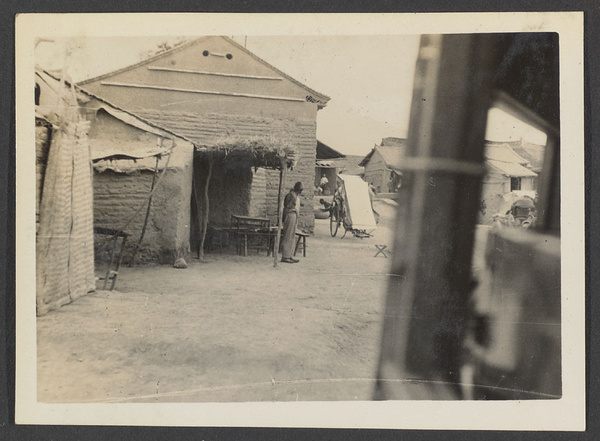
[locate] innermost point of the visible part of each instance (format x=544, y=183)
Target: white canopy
x=358, y=202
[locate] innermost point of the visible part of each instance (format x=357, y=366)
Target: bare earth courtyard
x=229, y=330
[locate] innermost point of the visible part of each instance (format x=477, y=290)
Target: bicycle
x=336, y=216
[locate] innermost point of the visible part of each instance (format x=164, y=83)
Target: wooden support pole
x=204, y=218
x=196, y=189
x=282, y=173
x=137, y=247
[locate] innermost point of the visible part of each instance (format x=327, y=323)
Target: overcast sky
x=369, y=79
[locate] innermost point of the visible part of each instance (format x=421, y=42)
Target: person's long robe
x=291, y=205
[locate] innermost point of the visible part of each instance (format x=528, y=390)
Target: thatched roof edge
x=261, y=152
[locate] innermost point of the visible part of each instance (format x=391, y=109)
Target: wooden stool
x=381, y=250
x=301, y=242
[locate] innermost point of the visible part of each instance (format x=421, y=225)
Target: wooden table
x=248, y=226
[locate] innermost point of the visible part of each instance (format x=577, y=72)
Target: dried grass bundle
x=269, y=152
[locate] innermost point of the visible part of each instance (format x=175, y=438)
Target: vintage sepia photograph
x=319, y=222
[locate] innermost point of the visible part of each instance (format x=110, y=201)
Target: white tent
x=358, y=203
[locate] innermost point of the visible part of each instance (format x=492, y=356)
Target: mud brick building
x=507, y=171
x=212, y=89
x=135, y=165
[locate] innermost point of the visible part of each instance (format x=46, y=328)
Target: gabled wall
x=278, y=106
x=377, y=173
x=241, y=75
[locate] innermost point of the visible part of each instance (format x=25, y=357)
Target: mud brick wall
x=229, y=191
x=299, y=132
x=258, y=196
x=122, y=198
x=122, y=188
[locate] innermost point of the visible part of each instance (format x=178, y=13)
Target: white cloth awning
x=132, y=150
x=100, y=149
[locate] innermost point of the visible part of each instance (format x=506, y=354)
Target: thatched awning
x=255, y=152
x=268, y=152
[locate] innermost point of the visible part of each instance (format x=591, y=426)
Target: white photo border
x=567, y=413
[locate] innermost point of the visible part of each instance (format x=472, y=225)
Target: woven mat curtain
x=65, y=240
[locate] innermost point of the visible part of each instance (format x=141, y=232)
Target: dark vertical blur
x=429, y=305
x=528, y=72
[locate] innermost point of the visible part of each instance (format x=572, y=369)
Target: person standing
x=291, y=210
x=323, y=183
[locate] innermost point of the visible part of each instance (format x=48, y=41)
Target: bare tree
x=163, y=46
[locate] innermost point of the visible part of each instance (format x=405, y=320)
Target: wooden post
x=282, y=173
x=204, y=219
x=137, y=247
x=196, y=189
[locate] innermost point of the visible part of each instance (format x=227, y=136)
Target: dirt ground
x=230, y=330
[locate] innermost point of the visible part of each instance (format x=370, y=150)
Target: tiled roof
x=511, y=169
x=503, y=152
x=326, y=152
x=392, y=141
x=325, y=164
x=350, y=165
x=392, y=152
x=532, y=152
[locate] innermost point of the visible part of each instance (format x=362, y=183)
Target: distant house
x=533, y=153
x=510, y=167
x=383, y=165
x=326, y=165
x=212, y=91
x=506, y=171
